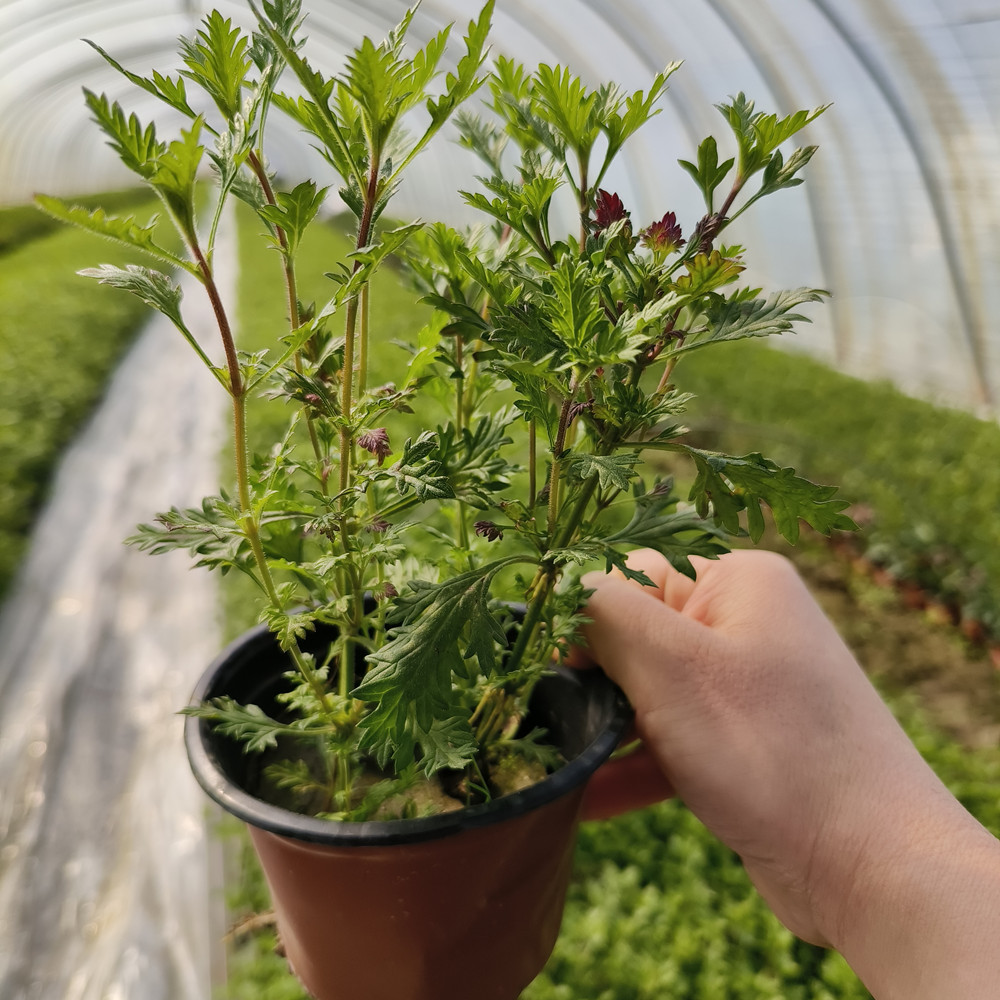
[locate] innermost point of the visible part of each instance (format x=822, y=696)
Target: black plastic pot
x=447, y=907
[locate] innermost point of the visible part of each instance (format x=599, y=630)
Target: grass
x=658, y=907
x=60, y=337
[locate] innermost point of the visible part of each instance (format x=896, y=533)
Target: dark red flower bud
x=664, y=236
x=488, y=530
x=377, y=442
x=608, y=208
x=385, y=592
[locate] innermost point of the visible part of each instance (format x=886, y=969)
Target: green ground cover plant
x=59, y=340
x=925, y=477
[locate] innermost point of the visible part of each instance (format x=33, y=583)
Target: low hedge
x=60, y=337
x=926, y=478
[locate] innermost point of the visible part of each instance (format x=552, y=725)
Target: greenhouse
x=519, y=247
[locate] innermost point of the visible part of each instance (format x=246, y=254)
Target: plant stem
x=294, y=315
x=363, y=345
x=240, y=450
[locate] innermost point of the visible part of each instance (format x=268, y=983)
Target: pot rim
x=285, y=823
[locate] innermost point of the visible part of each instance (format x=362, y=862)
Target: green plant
x=577, y=335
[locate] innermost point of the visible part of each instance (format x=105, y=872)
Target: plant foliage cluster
x=582, y=332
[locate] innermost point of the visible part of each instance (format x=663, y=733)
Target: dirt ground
x=907, y=650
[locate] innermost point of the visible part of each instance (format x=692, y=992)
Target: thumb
x=641, y=643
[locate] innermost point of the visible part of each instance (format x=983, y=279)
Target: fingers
x=637, y=639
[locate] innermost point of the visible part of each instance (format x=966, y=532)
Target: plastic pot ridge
x=448, y=907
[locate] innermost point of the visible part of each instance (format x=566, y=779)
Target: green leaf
x=120, y=230
x=409, y=679
x=612, y=471
x=249, y=724
x=473, y=459
x=416, y=470
x=449, y=744
x=759, y=135
x=706, y=272
x=561, y=99
x=156, y=290
x=708, y=174
x=678, y=535
x=639, y=108
x=209, y=533
x=728, y=485
x=137, y=147
x=217, y=60
x=294, y=211
x=175, y=177
x=737, y=317
x=165, y=88
x=466, y=81
x=574, y=310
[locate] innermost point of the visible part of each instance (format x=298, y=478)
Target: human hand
x=753, y=710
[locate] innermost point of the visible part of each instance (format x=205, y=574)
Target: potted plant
x=397, y=731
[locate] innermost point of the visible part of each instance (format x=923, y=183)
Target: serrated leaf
x=217, y=59
x=738, y=318
x=706, y=272
x=409, y=678
x=449, y=744
x=120, y=230
x=612, y=471
x=294, y=211
x=209, y=533
x=249, y=724
x=175, y=177
x=165, y=88
x=727, y=485
x=137, y=147
x=708, y=174
x=677, y=535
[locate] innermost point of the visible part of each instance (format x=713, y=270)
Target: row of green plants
x=59, y=340
x=925, y=479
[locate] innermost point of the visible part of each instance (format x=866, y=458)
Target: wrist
x=920, y=916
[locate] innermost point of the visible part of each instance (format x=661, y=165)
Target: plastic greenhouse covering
x=899, y=219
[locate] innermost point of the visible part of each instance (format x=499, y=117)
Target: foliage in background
x=59, y=339
x=926, y=479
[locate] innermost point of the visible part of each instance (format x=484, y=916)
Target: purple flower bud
x=488, y=530
x=664, y=236
x=377, y=442
x=608, y=209
x=385, y=592
x=377, y=526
